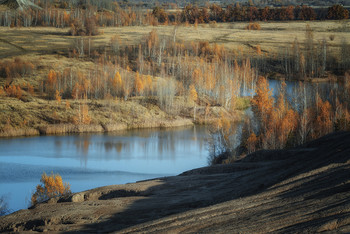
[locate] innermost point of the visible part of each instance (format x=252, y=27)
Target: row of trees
x=17, y=67
x=57, y=17
x=210, y=71
x=280, y=122
x=236, y=12
x=218, y=74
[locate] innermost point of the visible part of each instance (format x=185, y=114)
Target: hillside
x=302, y=189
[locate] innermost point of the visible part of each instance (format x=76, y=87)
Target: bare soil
x=305, y=189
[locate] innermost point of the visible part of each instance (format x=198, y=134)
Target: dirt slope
x=306, y=189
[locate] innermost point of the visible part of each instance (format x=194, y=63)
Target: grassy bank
x=34, y=116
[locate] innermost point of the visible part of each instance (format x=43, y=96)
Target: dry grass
x=272, y=37
x=45, y=47
x=35, y=115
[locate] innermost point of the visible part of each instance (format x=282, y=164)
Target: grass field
x=272, y=37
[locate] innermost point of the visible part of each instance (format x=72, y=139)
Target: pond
x=92, y=160
x=324, y=89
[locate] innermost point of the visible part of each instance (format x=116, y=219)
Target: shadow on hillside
x=256, y=173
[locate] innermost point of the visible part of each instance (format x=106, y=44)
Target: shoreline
x=58, y=129
x=288, y=196
x=36, y=117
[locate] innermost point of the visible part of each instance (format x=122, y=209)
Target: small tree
x=52, y=186
x=3, y=206
x=58, y=96
x=193, y=96
x=251, y=143
x=337, y=12
x=221, y=140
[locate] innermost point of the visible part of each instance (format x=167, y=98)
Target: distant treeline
x=64, y=16
x=235, y=12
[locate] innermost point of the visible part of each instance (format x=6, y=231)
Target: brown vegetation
x=85, y=19
x=253, y=26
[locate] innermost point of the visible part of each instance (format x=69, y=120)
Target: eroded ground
x=306, y=189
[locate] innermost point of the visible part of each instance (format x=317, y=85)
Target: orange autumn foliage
x=58, y=96
x=193, y=93
x=14, y=91
x=251, y=143
x=263, y=100
x=139, y=84
x=323, y=123
x=30, y=89
x=82, y=116
x=52, y=186
x=52, y=78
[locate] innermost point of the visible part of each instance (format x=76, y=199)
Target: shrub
x=52, y=186
x=337, y=12
x=3, y=206
x=77, y=28
x=88, y=28
x=14, y=91
x=253, y=26
x=82, y=115
x=213, y=24
x=17, y=67
x=221, y=141
x=91, y=26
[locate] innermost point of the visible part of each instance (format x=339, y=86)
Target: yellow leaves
x=66, y=18
x=152, y=39
x=193, y=93
x=251, y=142
x=210, y=79
x=86, y=119
x=58, y=96
x=324, y=123
x=277, y=121
x=149, y=83
x=258, y=50
x=52, y=186
x=67, y=105
x=117, y=81
x=263, y=100
x=14, y=91
x=52, y=78
x=196, y=75
x=82, y=116
x=139, y=86
x=253, y=26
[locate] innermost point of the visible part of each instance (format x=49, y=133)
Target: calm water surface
x=92, y=160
